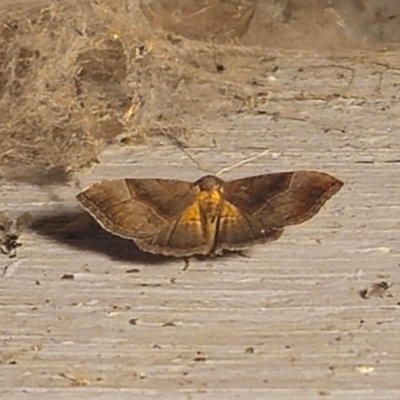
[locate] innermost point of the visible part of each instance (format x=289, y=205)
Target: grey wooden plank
x=160, y=332
x=294, y=302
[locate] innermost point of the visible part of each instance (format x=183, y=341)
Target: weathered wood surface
x=287, y=322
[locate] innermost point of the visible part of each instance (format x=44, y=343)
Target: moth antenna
x=226, y=169
x=194, y=160
x=177, y=143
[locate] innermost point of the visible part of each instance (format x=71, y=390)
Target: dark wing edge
x=282, y=199
x=312, y=190
x=88, y=200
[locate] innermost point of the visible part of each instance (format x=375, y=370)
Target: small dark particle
x=150, y=285
x=133, y=321
x=199, y=359
x=10, y=230
x=141, y=49
x=220, y=68
x=170, y=323
x=376, y=290
x=363, y=293
x=323, y=393
x=133, y=271
x=68, y=277
x=249, y=350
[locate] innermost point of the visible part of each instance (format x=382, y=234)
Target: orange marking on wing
x=192, y=213
x=229, y=211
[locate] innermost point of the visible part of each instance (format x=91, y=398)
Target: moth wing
x=183, y=238
x=237, y=230
x=137, y=208
x=259, y=207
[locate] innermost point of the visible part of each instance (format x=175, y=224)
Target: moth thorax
x=210, y=203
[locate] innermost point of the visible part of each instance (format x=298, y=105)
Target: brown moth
x=178, y=218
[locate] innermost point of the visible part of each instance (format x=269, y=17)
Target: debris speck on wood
x=133, y=271
x=10, y=230
x=170, y=323
x=375, y=290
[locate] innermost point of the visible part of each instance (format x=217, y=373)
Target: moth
x=208, y=216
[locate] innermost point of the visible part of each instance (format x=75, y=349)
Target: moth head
x=208, y=182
